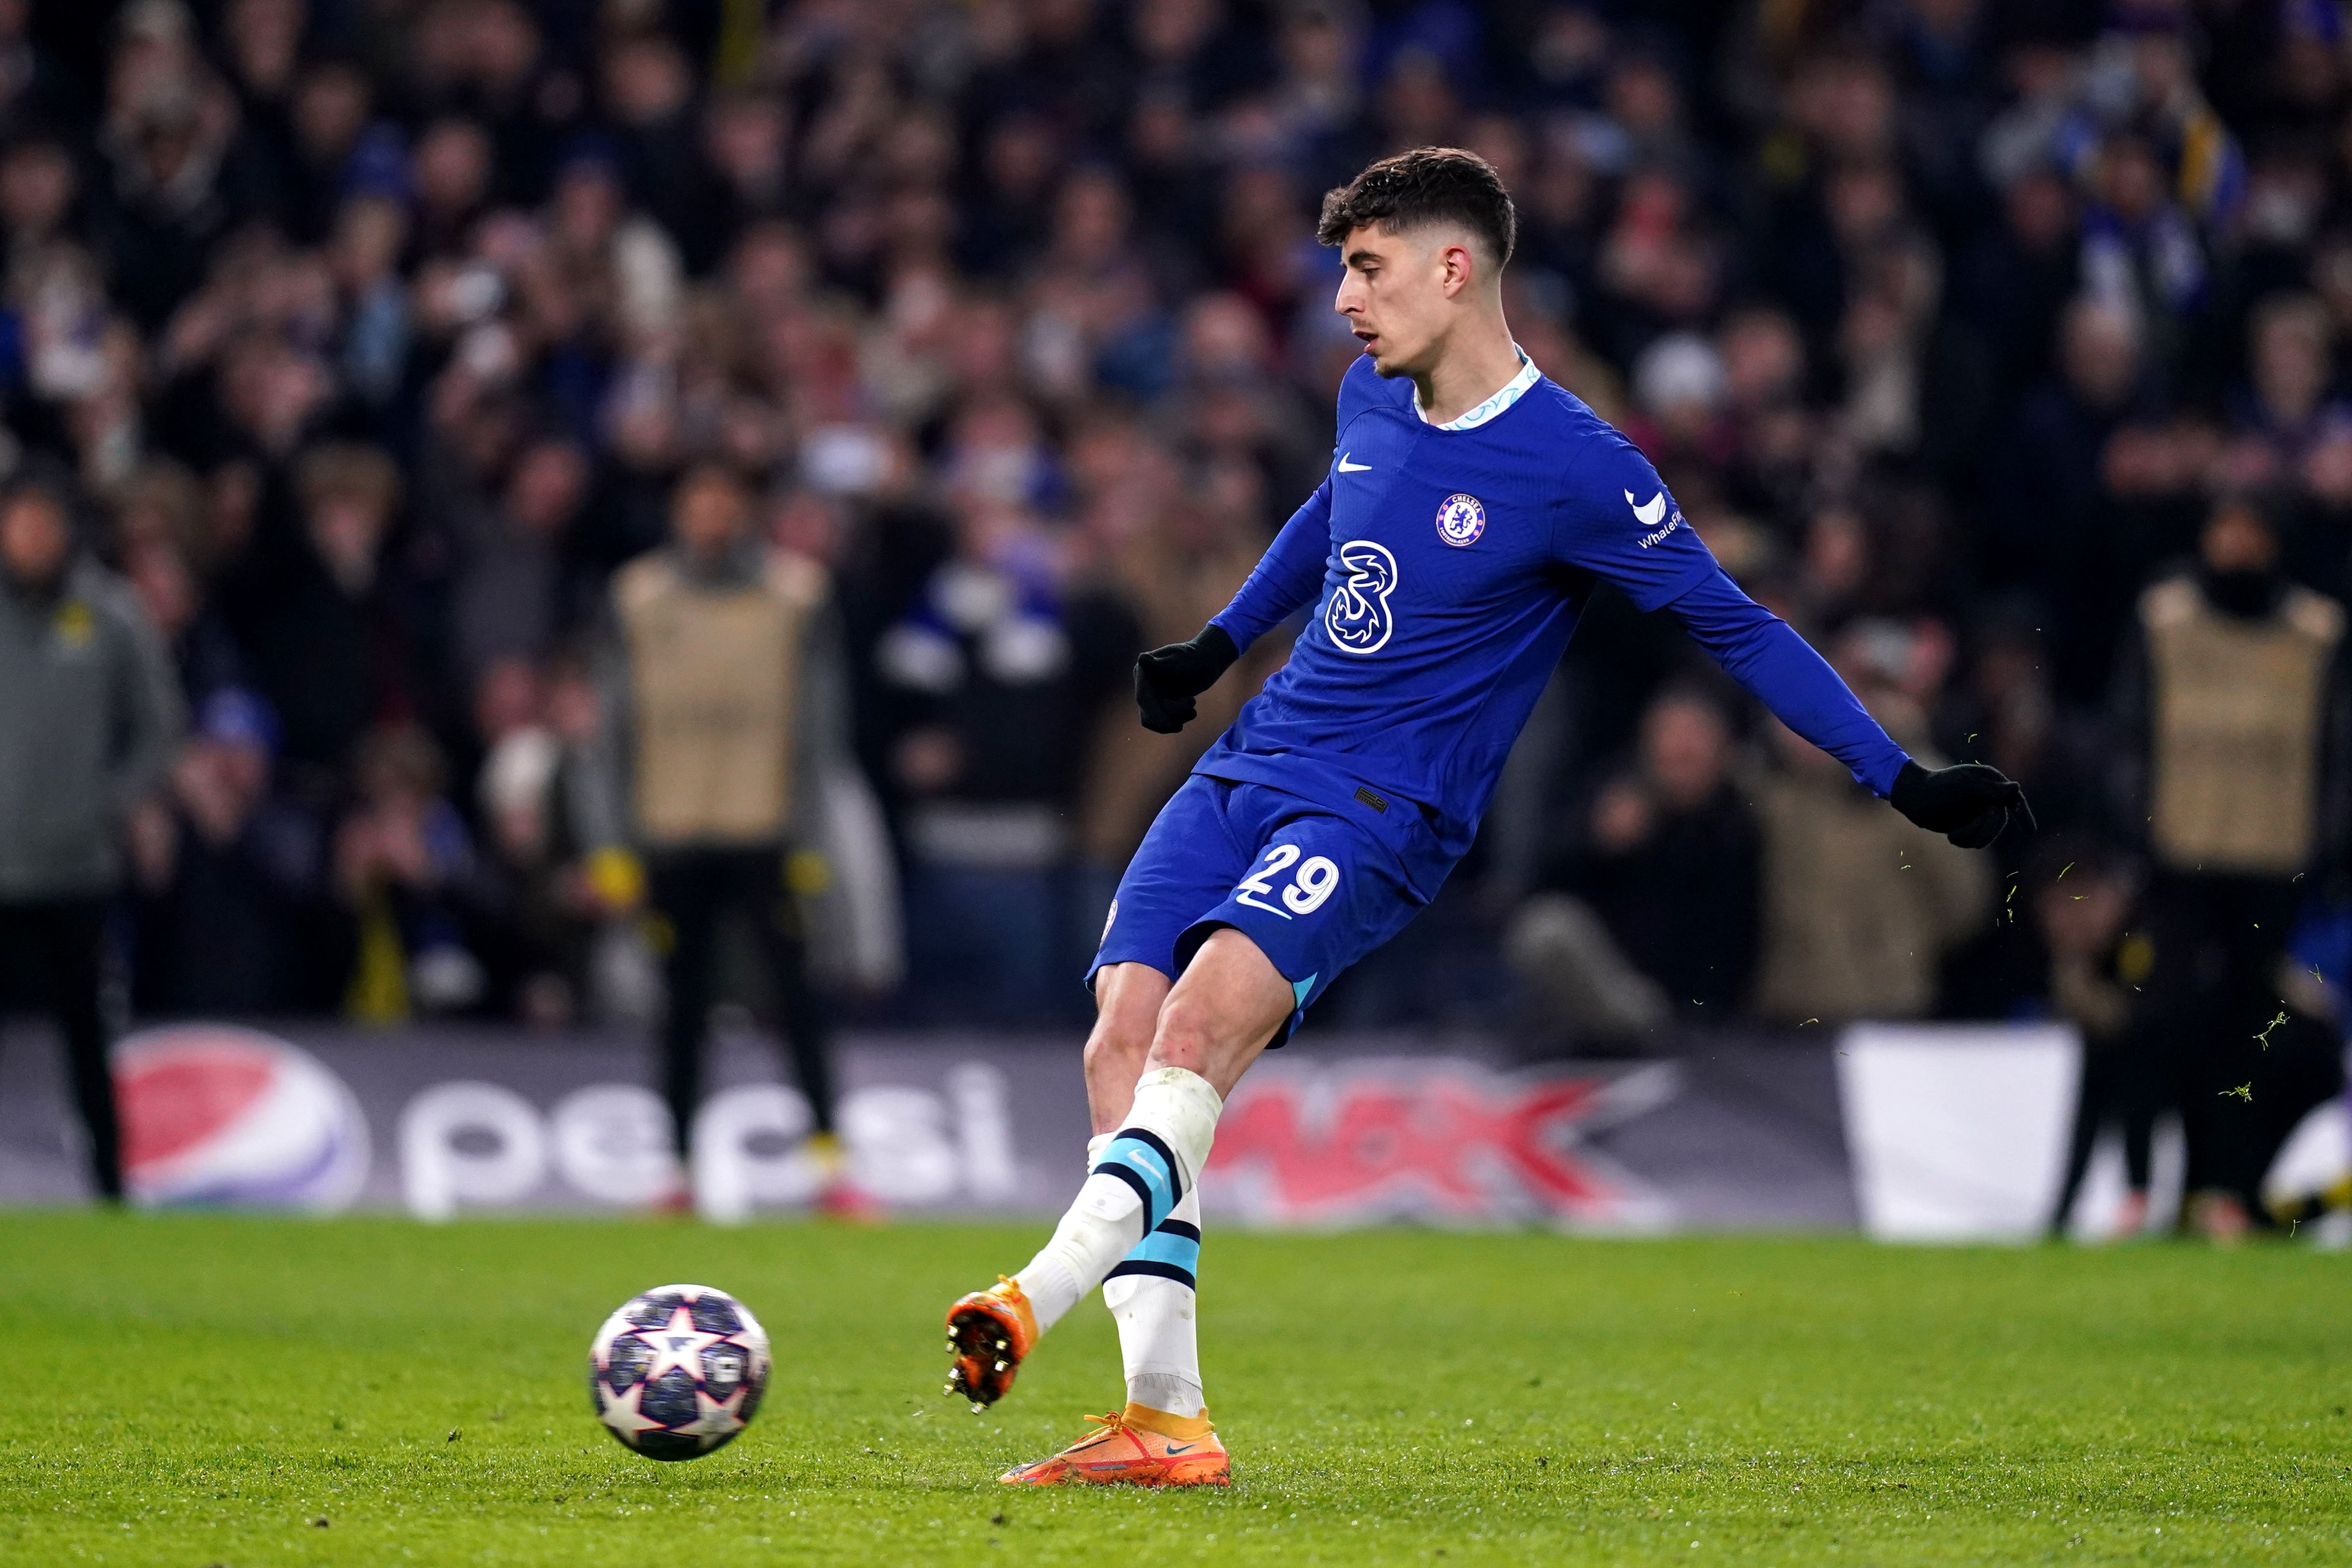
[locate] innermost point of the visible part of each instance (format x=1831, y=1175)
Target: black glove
x=1168, y=678
x=1970, y=803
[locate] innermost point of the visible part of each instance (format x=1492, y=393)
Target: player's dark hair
x=1426, y=186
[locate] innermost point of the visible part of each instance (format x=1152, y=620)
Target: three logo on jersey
x=1359, y=617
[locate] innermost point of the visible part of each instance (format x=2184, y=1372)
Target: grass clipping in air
x=196, y=1390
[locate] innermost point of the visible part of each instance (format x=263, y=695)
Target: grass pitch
x=196, y=1390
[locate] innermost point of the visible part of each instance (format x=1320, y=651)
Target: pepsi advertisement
x=1908, y=1132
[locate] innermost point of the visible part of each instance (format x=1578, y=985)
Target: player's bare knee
x=1127, y=998
x=1126, y=1009
x=1191, y=1028
x=1119, y=1041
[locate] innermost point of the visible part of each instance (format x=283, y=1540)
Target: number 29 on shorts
x=1311, y=885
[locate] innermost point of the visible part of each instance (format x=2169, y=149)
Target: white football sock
x=1158, y=1337
x=1145, y=1169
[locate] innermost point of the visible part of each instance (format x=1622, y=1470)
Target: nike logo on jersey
x=1348, y=467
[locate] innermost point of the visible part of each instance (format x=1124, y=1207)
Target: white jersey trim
x=1512, y=391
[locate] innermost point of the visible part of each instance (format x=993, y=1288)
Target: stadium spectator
x=1669, y=862
x=541, y=957
x=88, y=715
x=165, y=195
x=160, y=527
x=1858, y=914
x=559, y=851
x=1949, y=319
x=405, y=866
x=722, y=715
x=1002, y=671
x=316, y=611
x=1173, y=554
x=2048, y=532
x=2083, y=896
x=512, y=591
x=232, y=879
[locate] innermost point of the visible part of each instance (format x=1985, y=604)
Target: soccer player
x=1471, y=510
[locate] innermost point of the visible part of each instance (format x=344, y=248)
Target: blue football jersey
x=1447, y=568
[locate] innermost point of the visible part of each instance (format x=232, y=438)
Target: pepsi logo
x=214, y=1115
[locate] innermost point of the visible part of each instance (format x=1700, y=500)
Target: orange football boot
x=988, y=1333
x=1137, y=1447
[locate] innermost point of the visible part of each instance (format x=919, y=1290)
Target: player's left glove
x=1970, y=803
x=1168, y=678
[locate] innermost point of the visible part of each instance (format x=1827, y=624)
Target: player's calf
x=1143, y=1172
x=1128, y=998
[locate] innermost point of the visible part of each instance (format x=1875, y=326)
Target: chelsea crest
x=1461, y=518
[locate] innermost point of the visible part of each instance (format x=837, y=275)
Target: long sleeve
x=1287, y=576
x=1760, y=651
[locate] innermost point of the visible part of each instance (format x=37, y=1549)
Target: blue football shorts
x=1314, y=890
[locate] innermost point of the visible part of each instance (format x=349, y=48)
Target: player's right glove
x=1168, y=678
x=1970, y=803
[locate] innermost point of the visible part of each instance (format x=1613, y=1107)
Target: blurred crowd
x=2000, y=345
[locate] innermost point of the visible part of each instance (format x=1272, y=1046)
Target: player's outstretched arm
x=1287, y=576
x=1970, y=804
x=1661, y=562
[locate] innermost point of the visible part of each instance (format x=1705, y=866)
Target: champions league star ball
x=678, y=1372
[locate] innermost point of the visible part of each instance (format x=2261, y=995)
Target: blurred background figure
x=723, y=712
x=411, y=884
x=2235, y=698
x=232, y=913
x=1002, y=669
x=89, y=712
x=1857, y=913
x=2083, y=896
x=1657, y=915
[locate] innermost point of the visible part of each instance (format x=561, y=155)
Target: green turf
x=196, y=1390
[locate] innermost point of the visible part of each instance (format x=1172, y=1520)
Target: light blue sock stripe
x=1142, y=1159
x=1166, y=1246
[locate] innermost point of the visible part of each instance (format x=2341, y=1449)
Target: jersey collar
x=1512, y=390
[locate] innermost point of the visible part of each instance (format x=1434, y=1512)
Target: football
x=679, y=1371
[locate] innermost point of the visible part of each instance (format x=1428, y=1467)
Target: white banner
x=1957, y=1132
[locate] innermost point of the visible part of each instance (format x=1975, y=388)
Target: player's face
x=1398, y=294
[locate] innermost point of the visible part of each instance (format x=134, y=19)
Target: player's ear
x=1459, y=267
